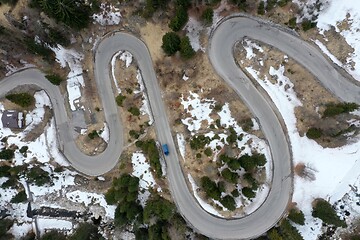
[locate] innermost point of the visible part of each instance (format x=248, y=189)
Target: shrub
x=21, y=99
x=228, y=202
x=159, y=208
x=232, y=137
x=93, y=134
x=5, y=225
x=186, y=49
x=325, y=212
x=57, y=37
x=229, y=175
x=180, y=19
x=207, y=15
x=120, y=100
x=307, y=25
x=199, y=142
x=19, y=197
x=248, y=192
x=292, y=23
x=23, y=150
x=10, y=183
x=134, y=111
x=261, y=8
x=37, y=48
x=134, y=134
x=211, y=188
x=170, y=43
x=314, y=133
x=333, y=109
x=235, y=193
x=86, y=231
x=54, y=79
x=74, y=13
x=270, y=4
x=150, y=149
x=7, y=154
x=53, y=235
x=288, y=231
x=38, y=176
x=208, y=152
x=4, y=171
x=297, y=216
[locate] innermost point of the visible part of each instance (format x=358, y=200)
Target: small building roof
x=12, y=119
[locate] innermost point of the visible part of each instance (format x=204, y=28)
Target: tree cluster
x=296, y=216
x=323, y=210
x=151, y=151
x=73, y=13
x=333, y=109
x=124, y=193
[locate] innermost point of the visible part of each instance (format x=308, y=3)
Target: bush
x=134, y=134
x=23, y=150
x=297, y=216
x=54, y=79
x=292, y=23
x=208, y=152
x=39, y=49
x=228, y=202
x=270, y=4
x=19, y=197
x=57, y=37
x=5, y=225
x=7, y=154
x=314, y=133
x=180, y=19
x=242, y=5
x=93, y=134
x=325, y=212
x=232, y=137
x=229, y=175
x=248, y=192
x=86, y=231
x=150, y=149
x=333, y=109
x=120, y=100
x=53, y=235
x=170, y=43
x=261, y=8
x=38, y=176
x=21, y=99
x=211, y=188
x=134, y=111
x=235, y=193
x=186, y=49
x=288, y=231
x=74, y=13
x=207, y=15
x=159, y=208
x=250, y=162
x=10, y=183
x=4, y=171
x=199, y=142
x=307, y=25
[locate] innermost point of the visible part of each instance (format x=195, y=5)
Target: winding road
x=223, y=38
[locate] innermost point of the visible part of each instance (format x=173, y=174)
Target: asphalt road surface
x=222, y=40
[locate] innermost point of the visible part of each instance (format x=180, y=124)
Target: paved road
x=223, y=38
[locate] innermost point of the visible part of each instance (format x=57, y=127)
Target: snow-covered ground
x=199, y=115
x=108, y=15
x=141, y=169
x=41, y=153
x=331, y=14
x=75, y=81
x=335, y=170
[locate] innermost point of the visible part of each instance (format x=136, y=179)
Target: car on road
x=165, y=149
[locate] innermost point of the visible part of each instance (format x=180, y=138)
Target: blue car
x=165, y=149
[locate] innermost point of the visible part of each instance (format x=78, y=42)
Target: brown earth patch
x=313, y=96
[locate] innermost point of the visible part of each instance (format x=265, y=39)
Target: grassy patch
x=54, y=79
x=21, y=99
